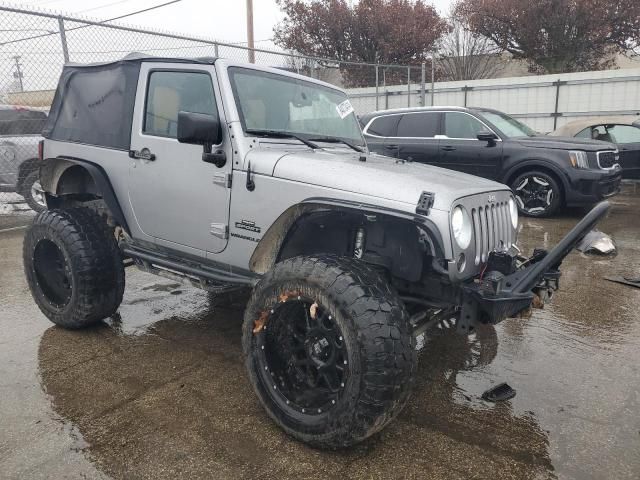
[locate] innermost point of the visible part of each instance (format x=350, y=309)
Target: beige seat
x=165, y=103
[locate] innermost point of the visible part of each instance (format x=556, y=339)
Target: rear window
x=418, y=125
x=384, y=126
x=21, y=122
x=94, y=105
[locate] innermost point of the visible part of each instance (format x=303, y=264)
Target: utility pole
x=433, y=78
x=252, y=53
x=423, y=78
x=18, y=73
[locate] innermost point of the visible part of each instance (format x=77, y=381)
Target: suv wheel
x=73, y=267
x=537, y=194
x=32, y=192
x=329, y=349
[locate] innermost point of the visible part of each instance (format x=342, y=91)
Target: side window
x=384, y=126
x=418, y=125
x=171, y=92
x=624, y=134
x=586, y=133
x=596, y=132
x=461, y=125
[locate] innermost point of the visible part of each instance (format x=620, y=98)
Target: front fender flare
x=266, y=253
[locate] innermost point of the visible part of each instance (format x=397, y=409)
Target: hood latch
x=425, y=203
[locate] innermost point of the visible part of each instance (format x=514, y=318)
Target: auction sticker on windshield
x=344, y=108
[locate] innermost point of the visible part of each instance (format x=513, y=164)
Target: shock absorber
x=358, y=248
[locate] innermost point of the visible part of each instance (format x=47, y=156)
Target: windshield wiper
x=338, y=140
x=280, y=134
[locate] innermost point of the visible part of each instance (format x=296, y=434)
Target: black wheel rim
x=534, y=194
x=52, y=273
x=302, y=356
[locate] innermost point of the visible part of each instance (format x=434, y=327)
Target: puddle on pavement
x=161, y=391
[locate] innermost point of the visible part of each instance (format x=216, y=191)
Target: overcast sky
x=222, y=20
x=40, y=54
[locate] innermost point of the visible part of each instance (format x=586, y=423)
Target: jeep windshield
x=286, y=106
x=509, y=126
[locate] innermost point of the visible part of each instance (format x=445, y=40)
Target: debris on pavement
x=499, y=393
x=597, y=242
x=631, y=281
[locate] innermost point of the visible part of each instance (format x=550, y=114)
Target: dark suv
x=543, y=172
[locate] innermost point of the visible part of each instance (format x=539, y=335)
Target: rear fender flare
x=25, y=169
x=52, y=172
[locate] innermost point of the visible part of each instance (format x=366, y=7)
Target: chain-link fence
x=35, y=45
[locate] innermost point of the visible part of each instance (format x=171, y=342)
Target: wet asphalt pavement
x=161, y=391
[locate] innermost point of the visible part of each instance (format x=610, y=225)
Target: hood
x=563, y=143
x=381, y=177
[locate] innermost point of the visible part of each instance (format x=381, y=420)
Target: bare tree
x=557, y=36
x=368, y=31
x=465, y=55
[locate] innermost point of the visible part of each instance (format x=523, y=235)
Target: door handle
x=391, y=147
x=448, y=148
x=143, y=154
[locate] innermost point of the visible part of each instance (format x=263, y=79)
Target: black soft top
x=137, y=57
x=94, y=102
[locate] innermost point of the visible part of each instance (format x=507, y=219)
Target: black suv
x=543, y=172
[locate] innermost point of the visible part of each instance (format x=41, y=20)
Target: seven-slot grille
x=492, y=229
x=606, y=159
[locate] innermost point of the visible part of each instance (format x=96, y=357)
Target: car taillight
x=41, y=150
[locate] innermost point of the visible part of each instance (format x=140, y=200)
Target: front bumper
x=496, y=296
x=590, y=186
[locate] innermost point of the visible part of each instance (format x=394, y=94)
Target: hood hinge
x=223, y=179
x=220, y=230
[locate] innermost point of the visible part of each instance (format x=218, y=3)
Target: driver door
x=179, y=200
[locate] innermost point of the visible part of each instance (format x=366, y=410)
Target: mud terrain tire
x=73, y=267
x=376, y=356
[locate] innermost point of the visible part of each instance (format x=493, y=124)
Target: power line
x=103, y=6
x=46, y=2
x=98, y=23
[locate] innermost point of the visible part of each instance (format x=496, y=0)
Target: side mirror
x=202, y=129
x=198, y=128
x=487, y=136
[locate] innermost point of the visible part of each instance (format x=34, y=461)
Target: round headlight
x=461, y=226
x=513, y=210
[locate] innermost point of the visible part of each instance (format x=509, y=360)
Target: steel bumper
x=494, y=296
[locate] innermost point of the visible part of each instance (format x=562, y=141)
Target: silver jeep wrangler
x=235, y=177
